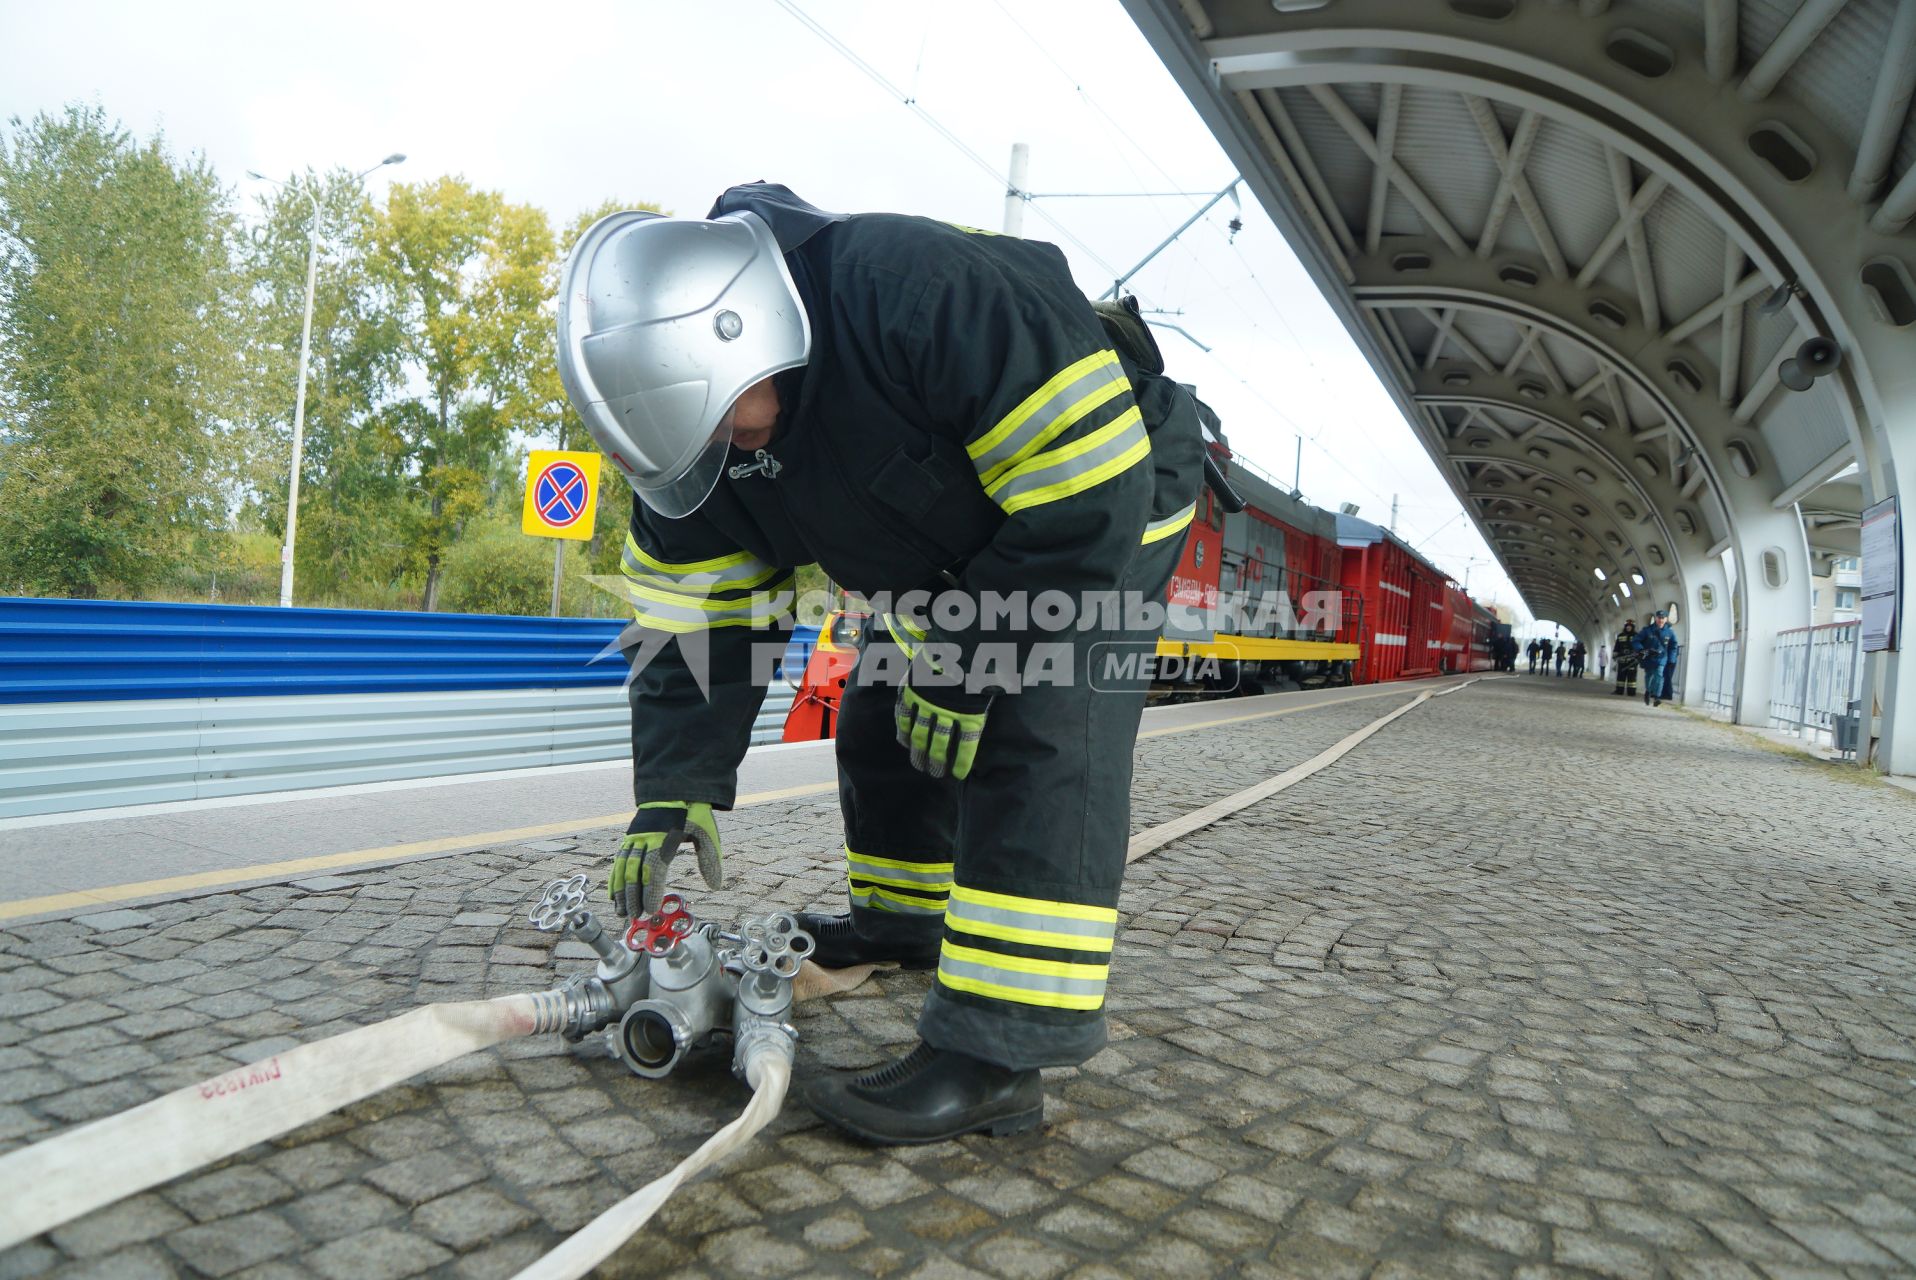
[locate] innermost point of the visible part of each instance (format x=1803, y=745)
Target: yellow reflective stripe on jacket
x=683, y=613
x=1047, y=413
x=684, y=597
x=1159, y=530
x=746, y=570
x=1072, y=468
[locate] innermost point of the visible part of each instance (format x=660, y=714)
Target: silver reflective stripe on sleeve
x=667, y=611
x=685, y=597
x=1074, y=467
x=1048, y=412
x=1158, y=530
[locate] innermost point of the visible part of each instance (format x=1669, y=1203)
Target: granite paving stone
x=1535, y=984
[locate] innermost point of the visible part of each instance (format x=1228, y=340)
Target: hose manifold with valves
x=675, y=983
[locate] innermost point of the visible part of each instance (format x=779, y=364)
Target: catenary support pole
x=1016, y=188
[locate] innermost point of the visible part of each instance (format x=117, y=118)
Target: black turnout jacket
x=962, y=421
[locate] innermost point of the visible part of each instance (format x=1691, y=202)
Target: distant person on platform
x=1603, y=661
x=1563, y=652
x=1671, y=649
x=1625, y=654
x=1654, y=644
x=1576, y=661
x=1530, y=652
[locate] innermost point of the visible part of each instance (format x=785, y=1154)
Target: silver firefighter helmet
x=663, y=323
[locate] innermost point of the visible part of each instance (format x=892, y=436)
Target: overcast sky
x=669, y=101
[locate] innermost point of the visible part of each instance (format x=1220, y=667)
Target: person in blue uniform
x=1655, y=646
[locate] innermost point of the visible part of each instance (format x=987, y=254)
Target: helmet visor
x=683, y=494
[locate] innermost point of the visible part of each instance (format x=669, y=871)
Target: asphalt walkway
x=1534, y=983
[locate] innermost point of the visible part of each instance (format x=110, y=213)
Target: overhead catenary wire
x=1277, y=311
x=917, y=108
x=1000, y=179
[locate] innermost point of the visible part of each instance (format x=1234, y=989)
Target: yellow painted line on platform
x=107, y=895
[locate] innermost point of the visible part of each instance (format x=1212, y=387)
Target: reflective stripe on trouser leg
x=1045, y=816
x=1026, y=951
x=900, y=825
x=900, y=885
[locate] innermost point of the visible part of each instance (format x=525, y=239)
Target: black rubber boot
x=839, y=946
x=930, y=1095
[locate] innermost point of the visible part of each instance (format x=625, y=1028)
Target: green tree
x=119, y=384
x=470, y=276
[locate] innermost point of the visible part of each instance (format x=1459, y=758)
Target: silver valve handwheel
x=562, y=900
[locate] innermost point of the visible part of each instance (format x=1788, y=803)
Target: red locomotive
x=1279, y=595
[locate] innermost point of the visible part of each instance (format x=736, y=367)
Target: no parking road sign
x=562, y=491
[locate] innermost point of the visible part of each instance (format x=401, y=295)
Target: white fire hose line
x=598, y=1239
x=57, y=1180
x=1153, y=838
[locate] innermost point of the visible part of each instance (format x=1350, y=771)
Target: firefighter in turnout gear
x=916, y=407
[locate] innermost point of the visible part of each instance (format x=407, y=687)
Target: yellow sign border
x=531, y=522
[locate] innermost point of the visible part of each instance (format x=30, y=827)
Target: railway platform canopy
x=1640, y=274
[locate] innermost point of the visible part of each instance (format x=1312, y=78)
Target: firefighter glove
x=941, y=726
x=658, y=833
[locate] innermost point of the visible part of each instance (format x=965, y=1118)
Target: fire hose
x=671, y=984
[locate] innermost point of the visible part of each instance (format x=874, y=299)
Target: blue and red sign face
x=561, y=493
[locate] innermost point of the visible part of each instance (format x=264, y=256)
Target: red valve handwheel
x=659, y=932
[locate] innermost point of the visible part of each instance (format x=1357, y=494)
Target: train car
x=1472, y=642
x=1258, y=593
x=1277, y=596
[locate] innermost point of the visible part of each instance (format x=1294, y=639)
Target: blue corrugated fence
x=94, y=650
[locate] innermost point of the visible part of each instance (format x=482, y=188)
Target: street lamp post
x=299, y=398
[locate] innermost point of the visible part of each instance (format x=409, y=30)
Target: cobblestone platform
x=1534, y=983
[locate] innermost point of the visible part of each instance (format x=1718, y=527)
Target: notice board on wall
x=1882, y=575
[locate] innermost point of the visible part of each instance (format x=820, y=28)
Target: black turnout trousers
x=1016, y=869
